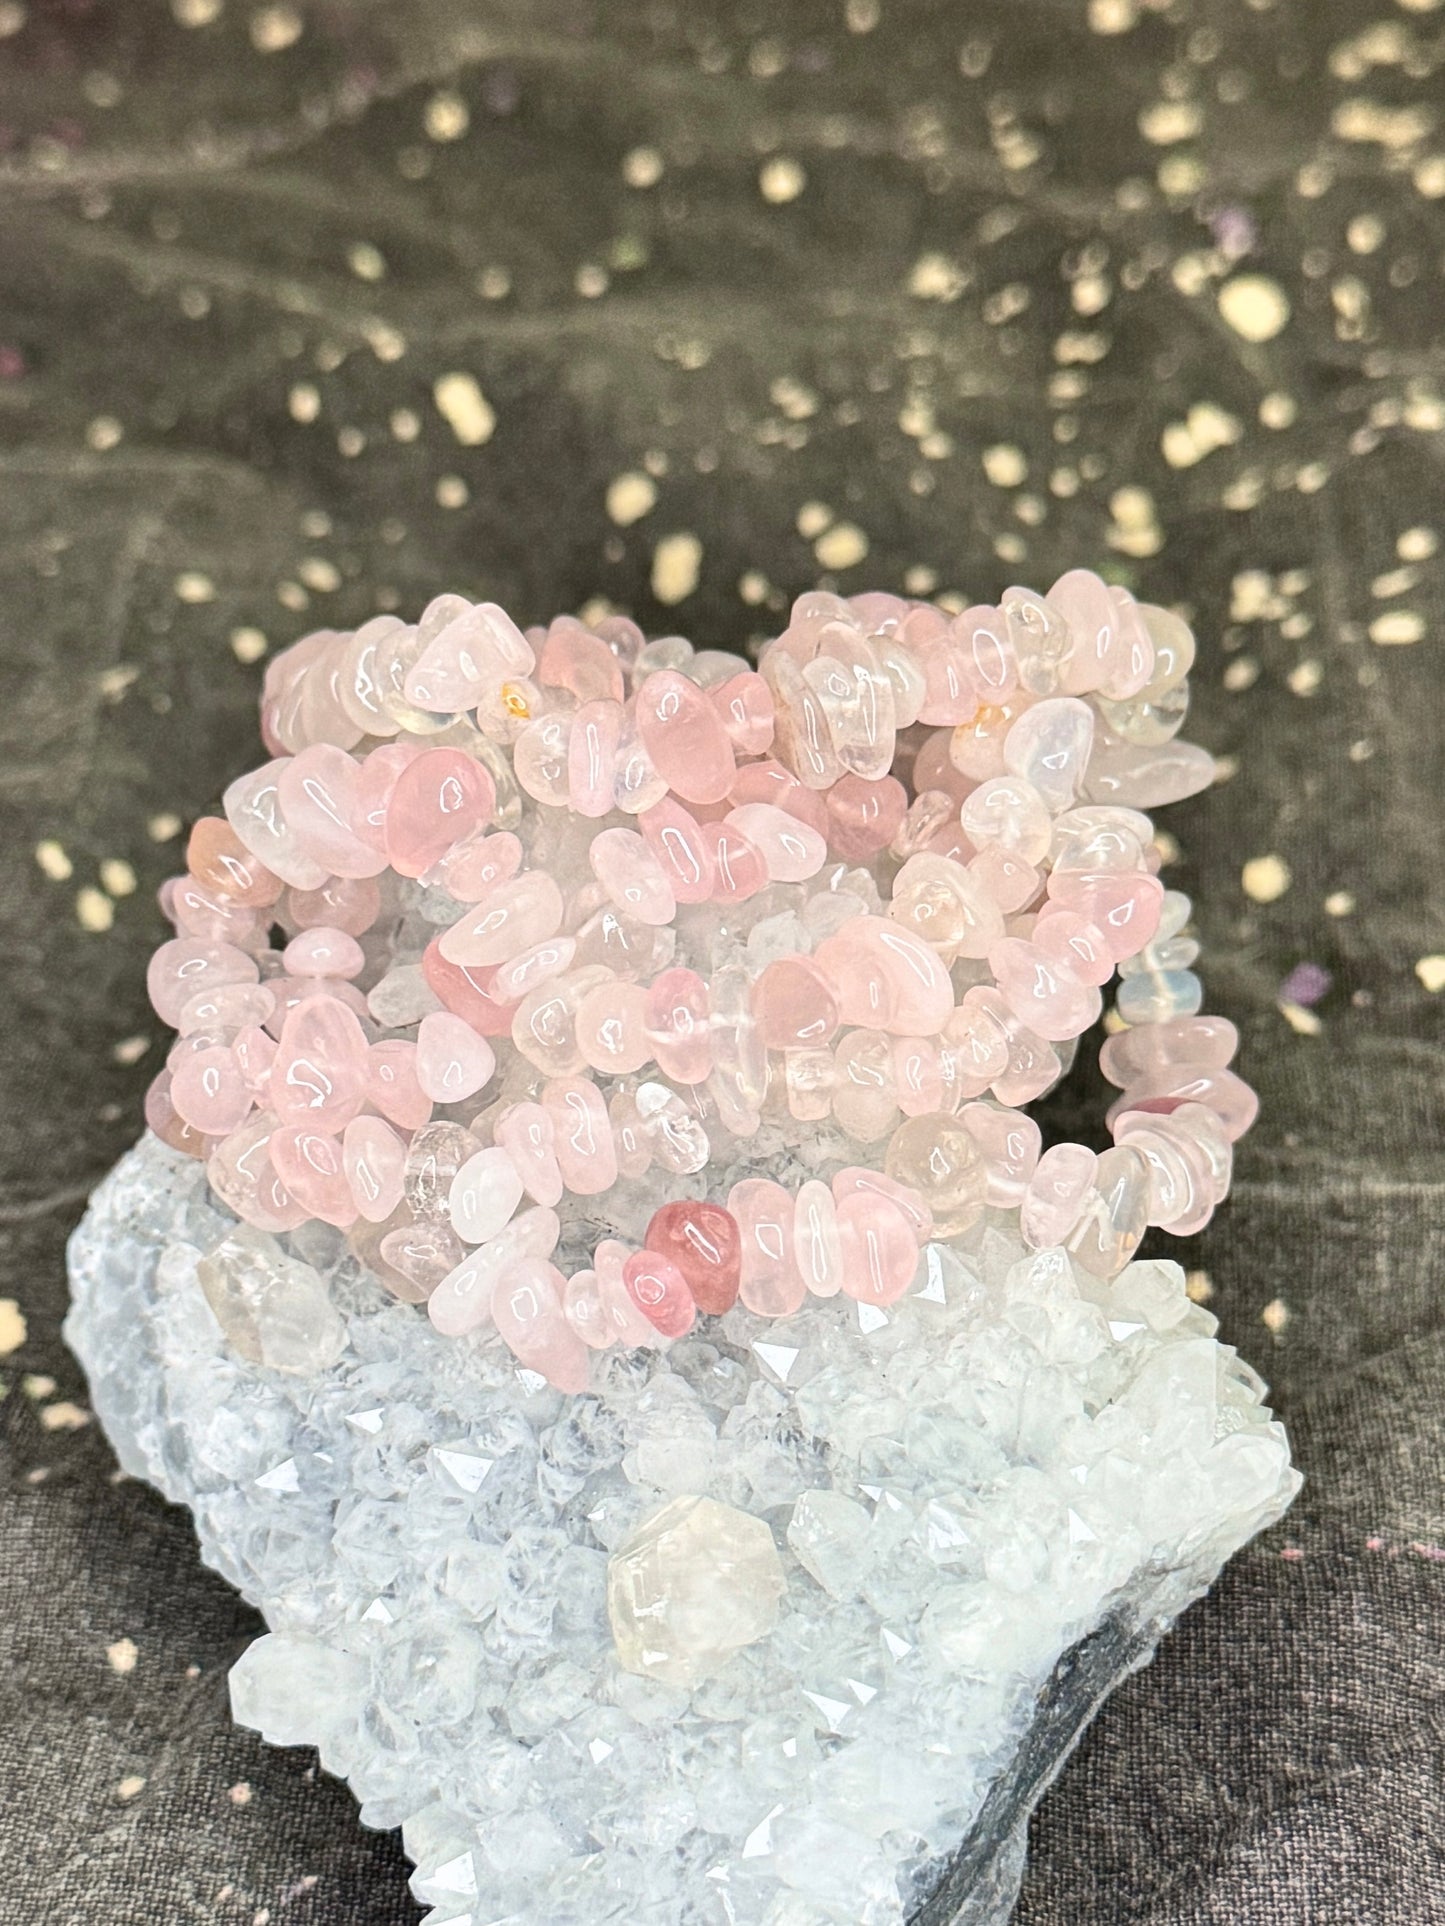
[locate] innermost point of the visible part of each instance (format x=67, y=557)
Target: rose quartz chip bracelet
x=645, y=904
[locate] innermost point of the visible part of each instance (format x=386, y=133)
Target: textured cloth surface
x=993, y=289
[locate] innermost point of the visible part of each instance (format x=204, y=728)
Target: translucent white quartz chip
x=273, y=1309
x=694, y=1583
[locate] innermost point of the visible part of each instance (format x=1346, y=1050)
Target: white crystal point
x=891, y=1576
x=694, y=1583
x=272, y=1309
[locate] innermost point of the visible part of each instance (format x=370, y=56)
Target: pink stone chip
x=527, y=1310
x=439, y=798
x=659, y=1290
x=373, y=1159
x=452, y=1061
x=517, y=914
x=324, y=952
x=320, y=793
x=685, y=737
x=633, y=876
x=320, y=1074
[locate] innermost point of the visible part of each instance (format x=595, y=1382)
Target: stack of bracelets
x=515, y=915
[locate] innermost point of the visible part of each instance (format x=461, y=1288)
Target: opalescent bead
x=391, y=1083
x=745, y=705
x=439, y=798
x=659, y=1290
x=592, y=756
x=452, y=1061
x=879, y=1250
x=817, y=1243
x=319, y=1076
x=209, y=1092
x=703, y=1241
x=937, y=1157
x=527, y=1311
x=1159, y=996
x=684, y=735
x=793, y=1005
x=583, y=1142
x=483, y=1195
x=324, y=952
x=769, y=1280
x=308, y=1162
x=791, y=850
x=218, y=859
x=320, y=795
x=373, y=1159
x=515, y=916
x=253, y=809
x=632, y=875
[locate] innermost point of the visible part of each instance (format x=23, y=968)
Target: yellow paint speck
x=53, y=861
x=275, y=28
x=240, y=1793
x=630, y=496
x=1170, y=120
x=1135, y=529
x=1339, y=903
x=1204, y=429
x=753, y=587
x=446, y=116
x=94, y=911
x=937, y=278
x=781, y=180
x=117, y=877
x=193, y=586
x=130, y=1049
x=1198, y=1286
x=319, y=574
x=130, y=1787
x=813, y=518
x=1256, y=307
x=1417, y=544
x=195, y=13
x=366, y=262
x=452, y=492
x=1303, y=1022
x=1275, y=1316
x=122, y=1656
x=1005, y=465
x=248, y=645
x=1278, y=411
x=1113, y=16
x=12, y=1320
x=1429, y=177
x=303, y=402
x=1397, y=628
x=1431, y=972
x=642, y=167
x=676, y=562
x=464, y=407
x=1305, y=678
x=1265, y=878
x=164, y=827
x=64, y=1416
x=36, y=1385
x=842, y=546
x=103, y=434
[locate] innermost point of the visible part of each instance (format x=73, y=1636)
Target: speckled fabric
x=890, y=293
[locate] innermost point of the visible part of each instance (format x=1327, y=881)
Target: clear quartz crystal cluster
x=594, y=1281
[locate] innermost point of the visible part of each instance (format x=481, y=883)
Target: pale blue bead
x=1158, y=996
x=1175, y=953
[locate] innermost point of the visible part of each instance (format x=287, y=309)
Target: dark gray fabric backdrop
x=1001, y=285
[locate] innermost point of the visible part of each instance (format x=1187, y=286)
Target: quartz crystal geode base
x=980, y=1512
